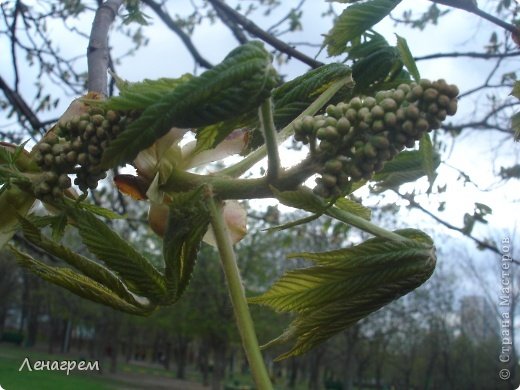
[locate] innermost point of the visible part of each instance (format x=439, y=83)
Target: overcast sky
x=478, y=155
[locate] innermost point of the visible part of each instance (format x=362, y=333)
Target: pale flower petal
x=158, y=218
x=233, y=144
x=235, y=217
x=147, y=161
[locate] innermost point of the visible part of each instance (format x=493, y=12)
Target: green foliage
x=89, y=268
x=346, y=285
x=407, y=57
x=377, y=68
x=428, y=153
x=293, y=97
x=188, y=221
x=13, y=202
x=141, y=95
x=237, y=85
x=354, y=21
x=137, y=272
x=515, y=120
x=406, y=167
x=77, y=283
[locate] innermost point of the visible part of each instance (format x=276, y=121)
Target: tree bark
x=97, y=52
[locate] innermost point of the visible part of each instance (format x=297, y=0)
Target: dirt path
x=136, y=381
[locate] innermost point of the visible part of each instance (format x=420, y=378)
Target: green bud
x=44, y=147
x=328, y=180
x=430, y=95
x=64, y=181
x=412, y=112
x=377, y=112
x=388, y=104
x=356, y=103
x=333, y=166
x=369, y=102
x=351, y=115
x=452, y=107
x=97, y=119
x=343, y=126
x=112, y=116
x=380, y=142
x=334, y=111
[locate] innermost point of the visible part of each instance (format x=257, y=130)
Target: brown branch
x=232, y=25
x=21, y=107
x=97, y=53
x=468, y=54
x=258, y=32
x=472, y=7
x=170, y=23
x=480, y=243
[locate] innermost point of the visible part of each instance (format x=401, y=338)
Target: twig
x=231, y=24
x=21, y=106
x=483, y=244
x=472, y=7
x=468, y=54
x=255, y=30
x=252, y=158
x=265, y=113
x=170, y=23
x=97, y=53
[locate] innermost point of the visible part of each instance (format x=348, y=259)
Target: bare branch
x=97, y=52
x=468, y=54
x=472, y=7
x=255, y=30
x=170, y=23
x=21, y=107
x=232, y=25
x=480, y=243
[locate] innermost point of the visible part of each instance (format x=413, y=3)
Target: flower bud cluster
x=354, y=139
x=76, y=148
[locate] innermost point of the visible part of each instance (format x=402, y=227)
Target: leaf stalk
x=238, y=298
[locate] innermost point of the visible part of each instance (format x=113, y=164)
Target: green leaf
x=515, y=125
x=141, y=277
x=141, y=95
x=94, y=209
x=381, y=66
x=188, y=221
x=428, y=157
x=516, y=90
x=354, y=21
x=13, y=202
x=373, y=42
x=346, y=285
x=78, y=284
x=89, y=268
x=210, y=136
x=236, y=86
x=407, y=57
x=406, y=167
x=302, y=198
x=353, y=207
x=293, y=97
x=292, y=224
x=16, y=155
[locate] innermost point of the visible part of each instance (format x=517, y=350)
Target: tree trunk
x=203, y=362
x=219, y=366
x=314, y=367
x=67, y=330
x=181, y=356
x=293, y=372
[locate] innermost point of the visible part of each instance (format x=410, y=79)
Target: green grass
x=11, y=358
